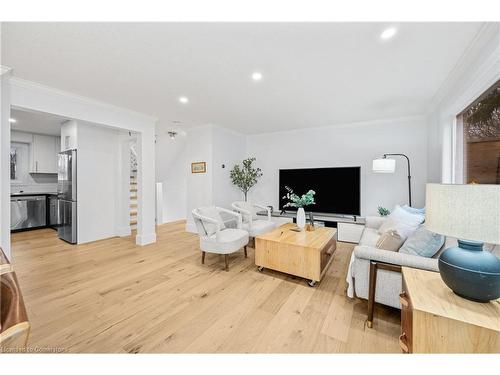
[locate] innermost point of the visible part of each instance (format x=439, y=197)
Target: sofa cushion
x=369, y=237
x=390, y=241
x=413, y=210
x=423, y=243
x=259, y=227
x=227, y=241
x=494, y=249
x=402, y=221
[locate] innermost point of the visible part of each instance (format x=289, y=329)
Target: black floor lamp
x=386, y=165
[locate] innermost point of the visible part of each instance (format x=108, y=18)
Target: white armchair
x=215, y=237
x=251, y=223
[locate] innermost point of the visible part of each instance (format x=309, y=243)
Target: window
x=480, y=139
x=13, y=163
x=19, y=163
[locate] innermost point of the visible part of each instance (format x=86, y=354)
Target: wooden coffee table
x=305, y=254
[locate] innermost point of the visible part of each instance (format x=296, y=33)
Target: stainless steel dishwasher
x=28, y=211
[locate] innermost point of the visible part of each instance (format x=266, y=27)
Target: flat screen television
x=337, y=189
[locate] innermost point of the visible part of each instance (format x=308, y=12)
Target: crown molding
x=227, y=130
x=378, y=121
x=487, y=34
x=20, y=82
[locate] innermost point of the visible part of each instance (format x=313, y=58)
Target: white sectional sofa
x=388, y=282
x=384, y=266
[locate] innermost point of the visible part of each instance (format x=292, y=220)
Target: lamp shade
x=384, y=165
x=469, y=212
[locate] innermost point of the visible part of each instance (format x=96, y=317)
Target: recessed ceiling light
x=12, y=120
x=257, y=76
x=388, y=33
x=183, y=100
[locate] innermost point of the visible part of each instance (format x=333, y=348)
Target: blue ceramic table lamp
x=470, y=213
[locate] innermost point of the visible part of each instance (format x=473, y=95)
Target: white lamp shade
x=384, y=165
x=469, y=212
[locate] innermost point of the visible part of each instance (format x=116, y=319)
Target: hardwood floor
x=113, y=296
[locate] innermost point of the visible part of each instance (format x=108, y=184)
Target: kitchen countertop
x=30, y=194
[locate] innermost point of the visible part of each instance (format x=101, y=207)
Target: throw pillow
x=423, y=243
x=412, y=210
x=390, y=241
x=402, y=221
x=492, y=248
x=212, y=213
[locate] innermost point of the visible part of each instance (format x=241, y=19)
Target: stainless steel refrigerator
x=66, y=196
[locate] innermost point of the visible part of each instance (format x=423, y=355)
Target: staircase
x=133, y=187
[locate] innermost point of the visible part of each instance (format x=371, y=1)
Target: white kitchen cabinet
x=44, y=152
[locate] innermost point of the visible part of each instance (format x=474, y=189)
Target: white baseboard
x=123, y=231
x=191, y=227
x=145, y=239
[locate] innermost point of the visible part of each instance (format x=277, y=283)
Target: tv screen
x=337, y=189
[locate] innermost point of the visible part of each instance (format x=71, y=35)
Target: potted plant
x=246, y=176
x=382, y=211
x=299, y=202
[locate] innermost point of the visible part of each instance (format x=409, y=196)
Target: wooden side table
x=14, y=325
x=436, y=320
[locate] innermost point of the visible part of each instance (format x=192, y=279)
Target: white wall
x=5, y=101
x=477, y=70
x=199, y=185
x=69, y=136
x=229, y=148
x=343, y=146
x=171, y=171
x=215, y=146
x=98, y=162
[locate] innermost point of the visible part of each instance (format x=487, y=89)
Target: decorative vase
x=301, y=218
x=471, y=272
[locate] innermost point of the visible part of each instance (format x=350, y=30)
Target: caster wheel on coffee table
x=311, y=283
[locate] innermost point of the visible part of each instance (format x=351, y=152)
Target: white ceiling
x=36, y=122
x=314, y=74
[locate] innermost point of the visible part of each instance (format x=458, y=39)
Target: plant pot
x=471, y=272
x=301, y=218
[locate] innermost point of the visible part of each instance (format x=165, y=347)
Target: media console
x=349, y=228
